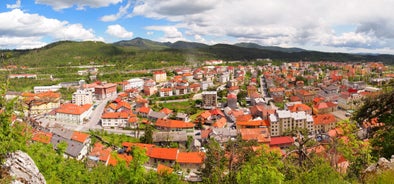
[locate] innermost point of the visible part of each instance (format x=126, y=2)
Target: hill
x=273, y=48
x=143, y=53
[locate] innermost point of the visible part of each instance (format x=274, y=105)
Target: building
x=41, y=103
x=190, y=160
x=117, y=119
x=40, y=89
x=159, y=76
x=232, y=101
x=82, y=97
x=72, y=113
x=324, y=122
x=261, y=135
x=324, y=107
x=103, y=91
x=284, y=121
x=163, y=92
x=209, y=99
x=22, y=76
x=173, y=125
x=135, y=83
x=306, y=96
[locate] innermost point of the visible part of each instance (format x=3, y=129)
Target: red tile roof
x=162, y=169
x=113, y=160
x=143, y=146
x=278, y=141
x=166, y=111
x=299, y=107
x=190, y=157
x=43, y=137
x=144, y=110
x=74, y=109
x=220, y=123
x=170, y=123
x=164, y=153
x=205, y=114
x=323, y=119
x=216, y=112
x=101, y=152
x=261, y=135
x=115, y=115
x=254, y=123
x=79, y=136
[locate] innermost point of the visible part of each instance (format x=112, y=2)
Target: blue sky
x=325, y=25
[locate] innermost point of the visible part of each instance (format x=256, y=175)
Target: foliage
x=380, y=107
x=215, y=163
x=111, y=138
x=148, y=135
x=263, y=168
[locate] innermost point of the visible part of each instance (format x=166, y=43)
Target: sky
x=354, y=26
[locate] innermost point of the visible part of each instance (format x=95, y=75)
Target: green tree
x=148, y=135
x=215, y=163
x=263, y=168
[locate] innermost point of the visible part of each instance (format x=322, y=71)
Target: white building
x=71, y=113
x=133, y=83
x=285, y=121
x=82, y=97
x=39, y=89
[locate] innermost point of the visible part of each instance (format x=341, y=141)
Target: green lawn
x=180, y=106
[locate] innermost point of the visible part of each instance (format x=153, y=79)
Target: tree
x=263, y=168
x=215, y=163
x=148, y=135
x=380, y=108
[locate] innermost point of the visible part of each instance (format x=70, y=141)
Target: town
x=176, y=111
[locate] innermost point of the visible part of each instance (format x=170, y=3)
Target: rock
x=22, y=169
x=381, y=165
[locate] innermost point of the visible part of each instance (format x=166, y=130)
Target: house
x=134, y=83
x=166, y=138
x=105, y=90
x=232, y=101
x=223, y=135
x=282, y=142
x=41, y=103
x=173, y=125
x=261, y=135
x=220, y=123
x=306, y=96
x=100, y=153
x=166, y=111
x=75, y=149
x=251, y=89
x=324, y=122
x=190, y=160
x=114, y=159
x=159, y=76
x=324, y=108
x=298, y=107
x=143, y=111
x=72, y=113
x=252, y=124
x=182, y=116
x=209, y=99
x=166, y=156
x=163, y=92
x=43, y=137
x=117, y=119
x=284, y=121
x=195, y=88
x=262, y=111
x=154, y=116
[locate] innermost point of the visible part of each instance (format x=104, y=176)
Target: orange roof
x=43, y=137
x=323, y=119
x=232, y=95
x=299, y=107
x=244, y=117
x=166, y=111
x=254, y=123
x=324, y=105
x=101, y=152
x=164, y=153
x=170, y=123
x=74, y=109
x=129, y=145
x=115, y=115
x=272, y=90
x=79, y=136
x=162, y=169
x=144, y=109
x=261, y=135
x=190, y=157
x=220, y=123
x=166, y=89
x=133, y=120
x=205, y=114
x=113, y=160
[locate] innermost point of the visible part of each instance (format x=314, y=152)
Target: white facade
x=114, y=122
x=39, y=89
x=286, y=121
x=134, y=83
x=73, y=118
x=82, y=97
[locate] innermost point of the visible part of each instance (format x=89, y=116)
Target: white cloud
x=123, y=10
x=14, y=6
x=118, y=31
x=303, y=22
x=150, y=33
x=171, y=33
x=28, y=30
x=63, y=4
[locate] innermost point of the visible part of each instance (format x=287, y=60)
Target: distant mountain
x=65, y=53
x=142, y=43
x=187, y=45
x=273, y=48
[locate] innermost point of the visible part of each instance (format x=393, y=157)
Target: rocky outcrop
x=22, y=169
x=382, y=165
